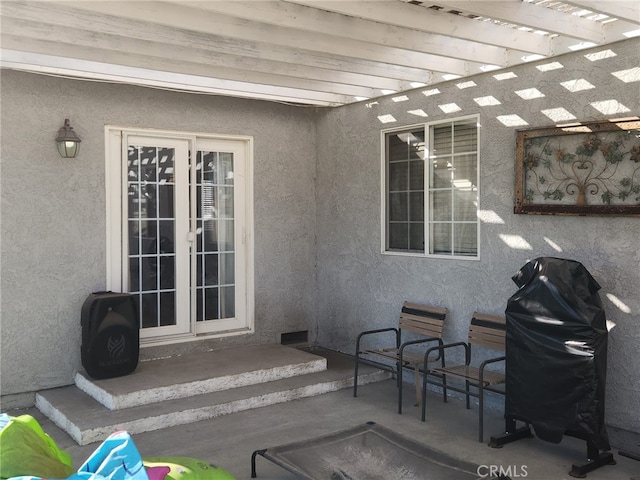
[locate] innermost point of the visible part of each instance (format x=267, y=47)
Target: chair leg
x=424, y=396
x=467, y=392
x=399, y=389
x=480, y=412
x=416, y=381
x=444, y=388
x=355, y=377
x=444, y=378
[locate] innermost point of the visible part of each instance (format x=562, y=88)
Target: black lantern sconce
x=67, y=141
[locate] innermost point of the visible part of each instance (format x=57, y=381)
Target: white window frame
x=384, y=194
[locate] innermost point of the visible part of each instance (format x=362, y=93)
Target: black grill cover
x=556, y=349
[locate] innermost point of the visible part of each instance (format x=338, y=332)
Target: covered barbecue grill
x=556, y=358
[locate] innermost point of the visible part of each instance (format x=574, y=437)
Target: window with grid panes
x=432, y=211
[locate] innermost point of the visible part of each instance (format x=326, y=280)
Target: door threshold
x=173, y=339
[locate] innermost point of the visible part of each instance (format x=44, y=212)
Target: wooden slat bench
x=486, y=331
x=423, y=320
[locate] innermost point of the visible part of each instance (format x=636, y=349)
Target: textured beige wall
x=359, y=288
x=53, y=214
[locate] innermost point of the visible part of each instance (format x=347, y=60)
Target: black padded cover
x=556, y=349
x=110, y=334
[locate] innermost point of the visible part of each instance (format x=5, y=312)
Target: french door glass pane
x=215, y=249
x=151, y=230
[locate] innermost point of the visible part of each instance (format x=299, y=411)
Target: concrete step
x=88, y=421
x=198, y=373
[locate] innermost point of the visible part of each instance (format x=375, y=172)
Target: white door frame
x=116, y=211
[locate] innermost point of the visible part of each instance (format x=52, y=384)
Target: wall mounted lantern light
x=67, y=141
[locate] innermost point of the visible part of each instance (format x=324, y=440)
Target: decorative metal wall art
x=582, y=169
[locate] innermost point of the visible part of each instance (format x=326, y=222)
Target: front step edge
x=199, y=387
x=147, y=424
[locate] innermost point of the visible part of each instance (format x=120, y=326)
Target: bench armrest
x=491, y=360
x=379, y=330
x=484, y=364
x=441, y=349
x=421, y=340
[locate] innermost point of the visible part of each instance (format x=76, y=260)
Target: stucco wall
x=360, y=288
x=53, y=214
x=315, y=174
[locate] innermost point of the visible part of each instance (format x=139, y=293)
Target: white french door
x=155, y=232
x=179, y=217
x=219, y=259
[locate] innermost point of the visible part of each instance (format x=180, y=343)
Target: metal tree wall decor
x=584, y=169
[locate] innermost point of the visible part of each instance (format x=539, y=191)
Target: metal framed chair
x=485, y=331
x=421, y=320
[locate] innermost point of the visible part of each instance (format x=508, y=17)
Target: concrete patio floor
x=228, y=441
